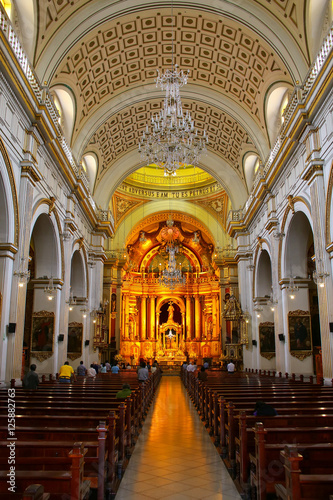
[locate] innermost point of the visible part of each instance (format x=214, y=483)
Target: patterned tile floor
x=174, y=457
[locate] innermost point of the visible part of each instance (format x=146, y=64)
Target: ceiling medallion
x=172, y=140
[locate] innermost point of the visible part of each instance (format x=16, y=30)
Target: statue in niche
x=170, y=311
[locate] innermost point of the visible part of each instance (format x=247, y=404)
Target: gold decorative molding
x=301, y=355
x=74, y=355
x=328, y=235
x=268, y=355
x=11, y=177
x=41, y=355
x=298, y=312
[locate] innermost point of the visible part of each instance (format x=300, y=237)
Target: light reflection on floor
x=174, y=457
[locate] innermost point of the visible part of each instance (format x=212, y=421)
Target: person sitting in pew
x=202, y=375
x=262, y=409
x=66, y=373
x=31, y=380
x=124, y=392
x=81, y=369
x=103, y=368
x=91, y=372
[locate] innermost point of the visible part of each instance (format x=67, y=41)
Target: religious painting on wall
x=42, y=331
x=74, y=343
x=299, y=326
x=267, y=339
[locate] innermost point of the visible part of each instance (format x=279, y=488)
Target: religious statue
x=170, y=311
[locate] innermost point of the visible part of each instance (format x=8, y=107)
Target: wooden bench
x=300, y=486
x=59, y=483
x=267, y=469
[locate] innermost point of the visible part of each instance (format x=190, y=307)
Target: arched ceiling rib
x=107, y=53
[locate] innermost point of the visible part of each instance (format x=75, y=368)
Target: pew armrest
x=281, y=492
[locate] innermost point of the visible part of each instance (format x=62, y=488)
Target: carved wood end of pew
x=35, y=492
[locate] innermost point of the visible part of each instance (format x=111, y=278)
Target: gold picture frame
x=300, y=338
x=42, y=335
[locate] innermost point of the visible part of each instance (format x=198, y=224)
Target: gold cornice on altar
x=153, y=221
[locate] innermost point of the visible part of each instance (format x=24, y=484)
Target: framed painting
x=42, y=333
x=74, y=342
x=300, y=339
x=267, y=339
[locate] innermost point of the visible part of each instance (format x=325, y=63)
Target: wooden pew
x=267, y=468
x=59, y=483
x=35, y=492
x=300, y=486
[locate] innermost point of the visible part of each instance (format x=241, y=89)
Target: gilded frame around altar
x=42, y=335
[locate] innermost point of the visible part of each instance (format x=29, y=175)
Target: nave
x=174, y=457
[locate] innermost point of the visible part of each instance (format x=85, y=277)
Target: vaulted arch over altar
x=171, y=321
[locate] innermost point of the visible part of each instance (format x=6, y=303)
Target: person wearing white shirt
x=230, y=367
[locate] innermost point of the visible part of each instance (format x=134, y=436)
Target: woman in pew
x=91, y=372
x=262, y=409
x=202, y=375
x=125, y=391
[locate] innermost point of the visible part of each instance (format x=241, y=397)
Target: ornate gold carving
x=43, y=313
x=41, y=355
x=301, y=355
x=298, y=312
x=74, y=355
x=268, y=355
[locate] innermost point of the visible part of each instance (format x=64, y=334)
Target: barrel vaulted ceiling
x=106, y=55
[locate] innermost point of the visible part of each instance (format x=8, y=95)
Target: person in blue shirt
x=115, y=369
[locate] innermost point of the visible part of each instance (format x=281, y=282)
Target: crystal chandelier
x=172, y=140
x=50, y=290
x=319, y=275
x=22, y=274
x=171, y=276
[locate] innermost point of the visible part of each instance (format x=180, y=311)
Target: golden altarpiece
x=170, y=324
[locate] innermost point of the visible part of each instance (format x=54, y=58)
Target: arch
x=78, y=276
x=264, y=275
x=318, y=20
x=9, y=210
x=78, y=247
x=26, y=13
x=47, y=206
x=275, y=102
x=250, y=165
x=46, y=245
x=296, y=204
x=298, y=236
x=65, y=99
x=90, y=165
x=231, y=180
x=329, y=210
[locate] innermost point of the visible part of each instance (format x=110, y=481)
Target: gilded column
x=188, y=318
x=152, y=318
x=214, y=315
x=197, y=318
x=126, y=317
x=143, y=317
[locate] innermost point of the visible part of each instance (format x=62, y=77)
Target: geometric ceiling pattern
x=218, y=55
x=106, y=55
x=226, y=136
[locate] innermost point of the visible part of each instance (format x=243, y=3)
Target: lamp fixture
x=171, y=276
x=258, y=310
x=292, y=288
x=84, y=311
x=271, y=302
x=172, y=140
x=71, y=302
x=319, y=275
x=22, y=274
x=50, y=290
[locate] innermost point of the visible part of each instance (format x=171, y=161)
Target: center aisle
x=174, y=457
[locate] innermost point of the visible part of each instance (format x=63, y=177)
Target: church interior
x=166, y=197
x=113, y=246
